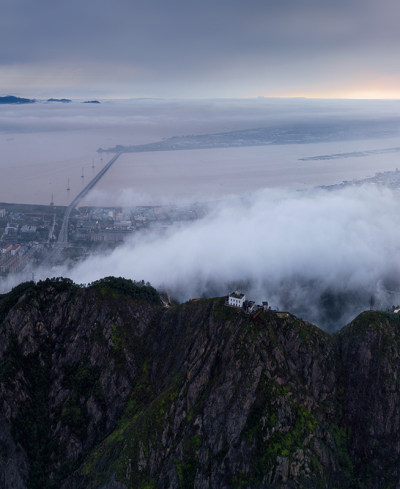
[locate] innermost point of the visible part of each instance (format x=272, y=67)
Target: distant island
x=10, y=99
x=63, y=100
x=306, y=133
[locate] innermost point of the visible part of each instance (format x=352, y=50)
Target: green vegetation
x=60, y=284
x=118, y=348
x=341, y=439
x=119, y=286
x=187, y=467
x=284, y=443
x=223, y=312
x=186, y=472
x=181, y=358
x=270, y=439
x=83, y=382
x=139, y=427
x=74, y=414
x=369, y=319
x=7, y=301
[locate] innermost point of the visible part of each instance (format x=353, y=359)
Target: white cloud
x=288, y=247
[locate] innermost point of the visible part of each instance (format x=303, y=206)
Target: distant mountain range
x=63, y=100
x=11, y=99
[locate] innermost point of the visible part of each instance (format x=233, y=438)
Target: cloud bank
x=321, y=255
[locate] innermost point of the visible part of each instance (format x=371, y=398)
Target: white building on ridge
x=236, y=299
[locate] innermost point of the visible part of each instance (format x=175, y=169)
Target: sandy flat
x=157, y=177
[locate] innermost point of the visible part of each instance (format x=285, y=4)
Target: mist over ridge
x=156, y=157
x=318, y=254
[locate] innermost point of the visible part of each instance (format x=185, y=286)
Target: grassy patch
x=118, y=286
x=264, y=432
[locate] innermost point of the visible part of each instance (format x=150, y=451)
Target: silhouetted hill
x=10, y=99
x=63, y=100
x=106, y=386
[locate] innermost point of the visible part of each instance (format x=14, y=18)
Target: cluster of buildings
x=25, y=232
x=14, y=257
x=113, y=224
x=28, y=232
x=389, y=179
x=24, y=223
x=237, y=299
x=99, y=225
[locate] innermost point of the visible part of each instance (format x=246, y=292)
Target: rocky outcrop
x=14, y=467
x=370, y=382
x=105, y=387
x=65, y=374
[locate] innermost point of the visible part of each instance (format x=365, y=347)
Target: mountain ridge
x=103, y=386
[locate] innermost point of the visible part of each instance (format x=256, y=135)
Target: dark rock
x=104, y=387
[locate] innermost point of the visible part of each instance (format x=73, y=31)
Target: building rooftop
x=28, y=229
x=237, y=295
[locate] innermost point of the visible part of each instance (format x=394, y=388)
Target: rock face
x=106, y=387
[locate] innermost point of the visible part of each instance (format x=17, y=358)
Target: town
x=389, y=179
x=28, y=233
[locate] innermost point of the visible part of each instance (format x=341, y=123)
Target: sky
x=192, y=49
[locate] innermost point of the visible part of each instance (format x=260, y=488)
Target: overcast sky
x=187, y=48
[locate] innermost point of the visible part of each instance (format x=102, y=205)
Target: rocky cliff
x=106, y=386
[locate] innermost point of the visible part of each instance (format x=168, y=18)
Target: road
x=62, y=241
x=51, y=232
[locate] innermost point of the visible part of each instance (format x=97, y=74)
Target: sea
x=49, y=151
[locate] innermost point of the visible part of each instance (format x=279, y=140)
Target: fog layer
x=319, y=254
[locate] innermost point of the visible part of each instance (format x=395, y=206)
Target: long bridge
x=62, y=241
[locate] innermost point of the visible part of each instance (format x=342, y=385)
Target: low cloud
x=321, y=255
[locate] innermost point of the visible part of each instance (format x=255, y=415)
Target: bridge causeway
x=62, y=241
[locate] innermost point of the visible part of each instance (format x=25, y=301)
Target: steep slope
x=370, y=384
x=64, y=378
x=241, y=404
x=105, y=387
